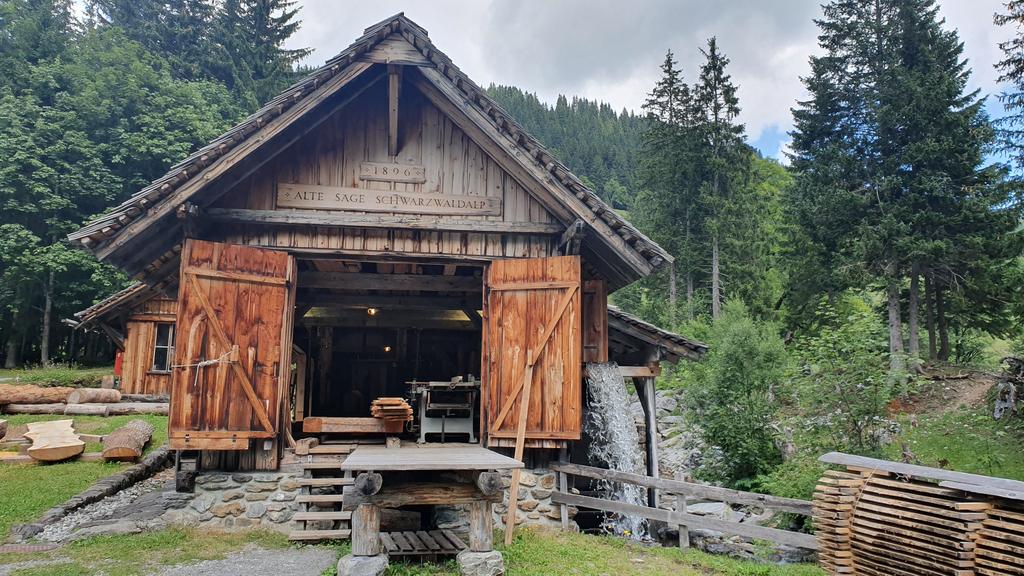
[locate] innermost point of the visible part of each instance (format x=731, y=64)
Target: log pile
x=880, y=518
x=29, y=394
x=53, y=441
x=128, y=441
x=30, y=399
x=391, y=409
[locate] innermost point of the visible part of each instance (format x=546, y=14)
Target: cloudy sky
x=610, y=50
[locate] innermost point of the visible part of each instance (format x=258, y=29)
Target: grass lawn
x=966, y=439
x=28, y=490
x=534, y=553
x=55, y=375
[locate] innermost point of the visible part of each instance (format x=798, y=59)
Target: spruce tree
x=1011, y=69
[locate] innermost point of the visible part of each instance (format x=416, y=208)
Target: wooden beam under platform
x=390, y=302
x=387, y=222
x=439, y=320
x=349, y=281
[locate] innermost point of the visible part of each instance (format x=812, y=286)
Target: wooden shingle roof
x=672, y=345
x=110, y=236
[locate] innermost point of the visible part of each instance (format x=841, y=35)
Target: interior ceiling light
x=387, y=348
x=372, y=311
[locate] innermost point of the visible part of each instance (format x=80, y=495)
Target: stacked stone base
x=237, y=500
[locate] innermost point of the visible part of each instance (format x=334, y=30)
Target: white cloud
x=610, y=50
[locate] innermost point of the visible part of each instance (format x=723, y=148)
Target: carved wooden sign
x=384, y=172
x=313, y=197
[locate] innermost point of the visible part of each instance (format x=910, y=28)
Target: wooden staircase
x=320, y=516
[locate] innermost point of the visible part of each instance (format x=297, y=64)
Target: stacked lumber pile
x=878, y=518
x=29, y=399
x=392, y=409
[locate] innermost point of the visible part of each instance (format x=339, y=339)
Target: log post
x=489, y=483
x=94, y=396
x=368, y=483
x=366, y=530
x=645, y=390
x=563, y=487
x=481, y=527
x=86, y=409
x=684, y=531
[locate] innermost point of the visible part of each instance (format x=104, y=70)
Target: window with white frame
x=163, y=350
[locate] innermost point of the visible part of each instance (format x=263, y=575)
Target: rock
x=528, y=505
x=527, y=479
x=282, y=497
x=256, y=497
x=202, y=502
x=266, y=477
x=256, y=510
x=533, y=515
x=719, y=510
x=171, y=499
x=363, y=565
x=211, y=479
x=541, y=494
x=547, y=481
x=665, y=403
x=261, y=486
x=245, y=522
x=289, y=485
x=478, y=563
x=229, y=509
x=107, y=529
x=232, y=495
x=242, y=478
x=280, y=516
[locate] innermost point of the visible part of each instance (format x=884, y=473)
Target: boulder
x=478, y=563
x=363, y=565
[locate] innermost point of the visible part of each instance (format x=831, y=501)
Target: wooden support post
x=684, y=531
x=645, y=390
x=524, y=410
x=563, y=486
x=394, y=86
x=366, y=530
x=481, y=527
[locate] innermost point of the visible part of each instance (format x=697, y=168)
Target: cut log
x=127, y=442
x=125, y=408
x=85, y=409
x=56, y=408
x=29, y=394
x=3, y=429
x=145, y=398
x=53, y=441
x=94, y=396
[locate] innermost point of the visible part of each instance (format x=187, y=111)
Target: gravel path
x=254, y=561
x=116, y=506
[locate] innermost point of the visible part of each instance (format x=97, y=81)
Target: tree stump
x=127, y=442
x=94, y=396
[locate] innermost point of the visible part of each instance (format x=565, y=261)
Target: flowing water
x=614, y=442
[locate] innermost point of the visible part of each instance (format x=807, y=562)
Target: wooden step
x=322, y=465
x=318, y=498
x=321, y=482
x=332, y=449
x=322, y=516
x=319, y=534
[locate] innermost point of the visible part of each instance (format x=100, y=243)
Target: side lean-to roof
x=143, y=236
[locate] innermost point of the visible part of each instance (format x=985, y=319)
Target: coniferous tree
x=1011, y=68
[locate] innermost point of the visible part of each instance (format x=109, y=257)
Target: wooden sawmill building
x=381, y=222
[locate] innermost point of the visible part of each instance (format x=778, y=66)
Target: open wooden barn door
x=533, y=334
x=232, y=353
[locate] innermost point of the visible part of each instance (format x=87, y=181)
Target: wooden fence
x=878, y=518
x=679, y=516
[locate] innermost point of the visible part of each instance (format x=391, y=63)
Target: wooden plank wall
x=136, y=374
x=595, y=321
x=516, y=321
x=330, y=156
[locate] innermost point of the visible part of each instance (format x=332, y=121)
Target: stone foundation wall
x=237, y=500
x=534, y=507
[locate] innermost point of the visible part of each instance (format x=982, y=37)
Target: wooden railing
x=680, y=517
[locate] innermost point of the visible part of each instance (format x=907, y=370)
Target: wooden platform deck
x=433, y=542
x=449, y=456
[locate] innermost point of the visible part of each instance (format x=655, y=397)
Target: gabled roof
x=115, y=304
x=109, y=236
x=672, y=345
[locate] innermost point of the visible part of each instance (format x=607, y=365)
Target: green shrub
x=732, y=391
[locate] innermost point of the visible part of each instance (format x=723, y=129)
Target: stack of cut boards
x=391, y=409
x=878, y=523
